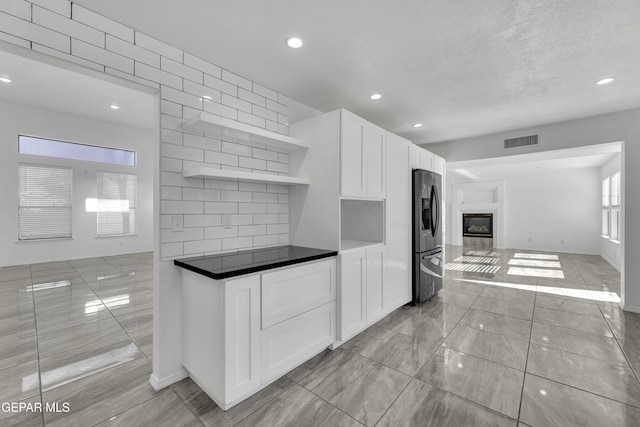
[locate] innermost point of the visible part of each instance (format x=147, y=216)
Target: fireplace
x=477, y=225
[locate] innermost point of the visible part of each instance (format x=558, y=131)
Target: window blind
x=116, y=204
x=605, y=192
x=44, y=206
x=615, y=189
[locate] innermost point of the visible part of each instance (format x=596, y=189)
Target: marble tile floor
x=541, y=344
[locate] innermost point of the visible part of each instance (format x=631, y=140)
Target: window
x=116, y=203
x=611, y=203
x=70, y=150
x=44, y=206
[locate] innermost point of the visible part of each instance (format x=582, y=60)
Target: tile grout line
x=35, y=327
x=526, y=362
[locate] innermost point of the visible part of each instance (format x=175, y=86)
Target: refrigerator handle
x=434, y=209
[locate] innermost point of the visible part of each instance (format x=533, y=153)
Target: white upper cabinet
x=362, y=158
x=421, y=158
x=439, y=165
x=398, y=180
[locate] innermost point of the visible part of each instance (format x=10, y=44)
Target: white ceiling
x=461, y=68
x=502, y=167
x=43, y=85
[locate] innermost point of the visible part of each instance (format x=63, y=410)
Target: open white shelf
x=221, y=127
x=208, y=172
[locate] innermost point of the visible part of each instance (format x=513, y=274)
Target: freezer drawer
x=427, y=275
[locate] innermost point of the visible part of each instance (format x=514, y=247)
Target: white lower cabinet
x=361, y=289
x=240, y=334
x=397, y=272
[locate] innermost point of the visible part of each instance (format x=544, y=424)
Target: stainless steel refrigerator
x=427, y=235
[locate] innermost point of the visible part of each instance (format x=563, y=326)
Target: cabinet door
x=399, y=181
x=353, y=315
x=439, y=165
x=242, y=336
x=375, y=282
x=426, y=160
x=397, y=270
x=352, y=179
x=374, y=164
x=414, y=156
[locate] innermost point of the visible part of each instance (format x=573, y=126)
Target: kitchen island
x=251, y=316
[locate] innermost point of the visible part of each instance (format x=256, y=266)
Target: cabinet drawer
x=292, y=291
x=290, y=343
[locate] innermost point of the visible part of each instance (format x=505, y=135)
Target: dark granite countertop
x=238, y=263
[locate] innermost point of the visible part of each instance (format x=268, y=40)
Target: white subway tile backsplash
x=202, y=194
x=171, y=108
x=61, y=7
x=181, y=97
x=283, y=239
x=236, y=103
x=15, y=40
x=283, y=100
x=220, y=208
x=235, y=196
x=282, y=119
x=220, y=232
x=170, y=122
x=101, y=56
x=265, y=198
x=201, y=91
x=241, y=219
x=199, y=64
x=127, y=76
x=253, y=208
x=190, y=164
x=283, y=198
x=283, y=158
x=249, y=162
x=183, y=153
x=202, y=246
x=251, y=119
x=220, y=158
x=189, y=112
x=259, y=153
x=277, y=188
x=252, y=230
x=181, y=70
x=278, y=167
x=283, y=218
x=202, y=220
x=177, y=180
x=35, y=33
x=221, y=85
x=221, y=110
x=253, y=186
x=166, y=221
x=169, y=250
x=44, y=49
x=253, y=98
x=220, y=184
x=157, y=46
x=198, y=141
x=18, y=8
x=171, y=165
x=156, y=75
x=132, y=51
x=94, y=20
x=62, y=24
x=265, y=219
x=266, y=92
x=264, y=113
x=235, y=79
x=268, y=240
x=273, y=208
x=277, y=107
x=171, y=193
x=237, y=149
x=187, y=234
x=237, y=243
x=181, y=207
x=277, y=127
x=277, y=228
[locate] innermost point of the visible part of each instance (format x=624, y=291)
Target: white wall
x=555, y=210
x=615, y=127
x=25, y=120
x=609, y=250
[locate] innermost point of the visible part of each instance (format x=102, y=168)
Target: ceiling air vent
x=521, y=141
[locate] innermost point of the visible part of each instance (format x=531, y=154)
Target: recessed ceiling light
x=376, y=96
x=5, y=80
x=115, y=106
x=417, y=125
x=294, y=42
x=604, y=81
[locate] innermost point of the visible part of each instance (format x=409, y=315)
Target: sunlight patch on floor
x=535, y=263
x=536, y=272
x=536, y=256
x=472, y=268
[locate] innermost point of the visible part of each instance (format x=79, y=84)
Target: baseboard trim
x=631, y=308
x=167, y=380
